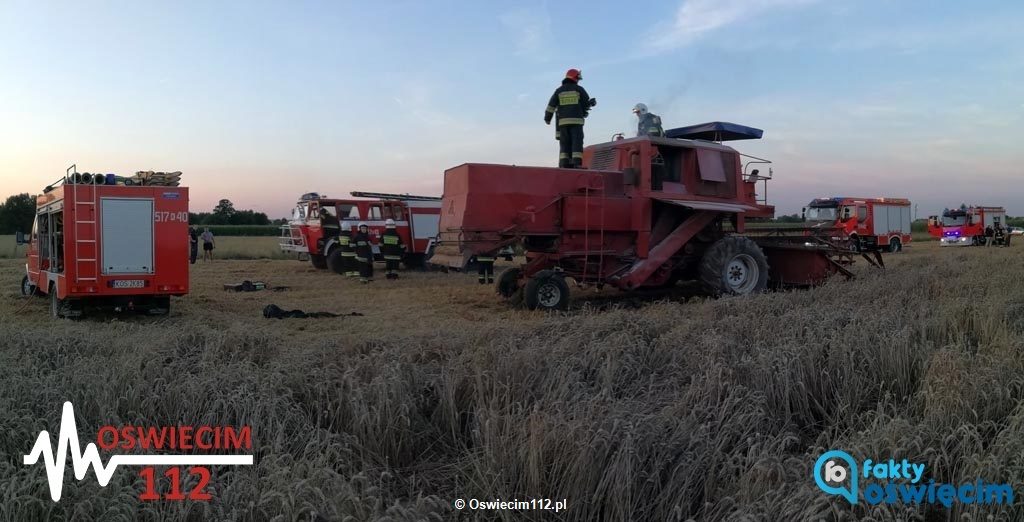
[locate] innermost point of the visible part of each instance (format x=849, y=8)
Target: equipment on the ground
x=645, y=212
x=273, y=311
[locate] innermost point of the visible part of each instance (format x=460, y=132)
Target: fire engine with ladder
x=122, y=246
x=870, y=223
x=965, y=226
x=312, y=232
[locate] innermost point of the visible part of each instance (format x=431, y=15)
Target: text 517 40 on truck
x=120, y=247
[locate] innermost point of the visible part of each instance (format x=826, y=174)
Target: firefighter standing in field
x=364, y=253
x=392, y=248
x=485, y=268
x=348, y=253
x=570, y=104
x=648, y=124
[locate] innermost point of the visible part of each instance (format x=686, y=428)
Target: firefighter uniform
x=485, y=269
x=569, y=104
x=364, y=253
x=392, y=248
x=349, y=267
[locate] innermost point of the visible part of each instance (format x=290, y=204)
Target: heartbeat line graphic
x=67, y=438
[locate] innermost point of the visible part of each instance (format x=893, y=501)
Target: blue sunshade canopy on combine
x=716, y=131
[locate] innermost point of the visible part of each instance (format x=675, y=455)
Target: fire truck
x=312, y=232
x=871, y=223
x=965, y=226
x=93, y=245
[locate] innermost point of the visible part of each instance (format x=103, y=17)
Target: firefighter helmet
x=640, y=109
x=361, y=225
x=574, y=75
x=390, y=223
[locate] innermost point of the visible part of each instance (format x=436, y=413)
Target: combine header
x=645, y=212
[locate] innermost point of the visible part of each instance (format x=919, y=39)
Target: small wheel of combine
x=507, y=283
x=548, y=291
x=734, y=265
x=27, y=288
x=335, y=262
x=318, y=261
x=895, y=245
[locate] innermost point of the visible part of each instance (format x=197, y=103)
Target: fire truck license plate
x=129, y=283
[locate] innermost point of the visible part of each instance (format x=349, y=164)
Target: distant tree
x=790, y=218
x=16, y=214
x=224, y=208
x=280, y=221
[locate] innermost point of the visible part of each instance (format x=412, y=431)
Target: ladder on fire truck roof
x=86, y=268
x=398, y=197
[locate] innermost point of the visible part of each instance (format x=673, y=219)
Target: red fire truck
x=965, y=226
x=316, y=221
x=107, y=246
x=871, y=223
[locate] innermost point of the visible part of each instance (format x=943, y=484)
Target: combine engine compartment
x=644, y=213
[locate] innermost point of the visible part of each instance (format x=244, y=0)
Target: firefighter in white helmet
x=392, y=248
x=364, y=253
x=648, y=124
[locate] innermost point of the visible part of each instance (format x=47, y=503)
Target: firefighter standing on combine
x=392, y=248
x=364, y=253
x=348, y=253
x=649, y=124
x=570, y=104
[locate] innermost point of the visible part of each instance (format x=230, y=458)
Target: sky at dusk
x=259, y=102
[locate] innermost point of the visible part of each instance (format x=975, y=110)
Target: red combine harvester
x=645, y=212
x=107, y=246
x=965, y=226
x=316, y=221
x=870, y=223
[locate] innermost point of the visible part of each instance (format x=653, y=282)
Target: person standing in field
x=989, y=234
x=208, y=244
x=348, y=252
x=193, y=243
x=364, y=253
x=392, y=248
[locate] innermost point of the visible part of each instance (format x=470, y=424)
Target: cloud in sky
x=695, y=18
x=531, y=29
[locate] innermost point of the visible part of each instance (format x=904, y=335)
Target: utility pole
x=915, y=211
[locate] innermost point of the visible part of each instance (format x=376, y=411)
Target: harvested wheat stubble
x=710, y=410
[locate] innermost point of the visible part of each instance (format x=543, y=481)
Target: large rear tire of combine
x=335, y=262
x=318, y=261
x=734, y=265
x=895, y=245
x=507, y=283
x=547, y=291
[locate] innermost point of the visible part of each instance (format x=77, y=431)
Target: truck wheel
x=895, y=245
x=507, y=283
x=734, y=265
x=27, y=288
x=57, y=306
x=318, y=261
x=161, y=306
x=335, y=262
x=548, y=291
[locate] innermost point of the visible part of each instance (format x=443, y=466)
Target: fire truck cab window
x=353, y=212
x=862, y=213
x=375, y=213
x=952, y=220
x=299, y=213
x=821, y=213
x=328, y=217
x=395, y=212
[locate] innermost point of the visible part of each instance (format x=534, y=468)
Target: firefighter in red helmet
x=364, y=253
x=569, y=104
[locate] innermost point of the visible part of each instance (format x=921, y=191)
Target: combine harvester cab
x=117, y=246
x=965, y=226
x=644, y=213
x=872, y=224
x=312, y=232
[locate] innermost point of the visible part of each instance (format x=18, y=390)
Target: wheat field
x=669, y=410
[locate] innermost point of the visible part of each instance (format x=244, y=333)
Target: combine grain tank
x=645, y=212
x=108, y=246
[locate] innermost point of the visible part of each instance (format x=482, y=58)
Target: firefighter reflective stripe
x=348, y=254
x=577, y=155
x=344, y=240
x=389, y=240
x=393, y=258
x=569, y=98
x=549, y=109
x=563, y=155
x=361, y=259
x=570, y=121
x=484, y=259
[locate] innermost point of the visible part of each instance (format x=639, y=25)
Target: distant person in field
x=208, y=244
x=193, y=243
x=392, y=248
x=989, y=234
